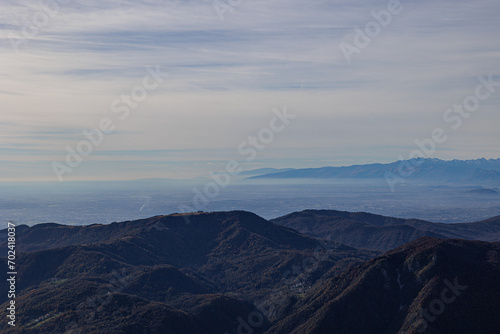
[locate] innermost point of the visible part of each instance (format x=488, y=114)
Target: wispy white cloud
x=225, y=76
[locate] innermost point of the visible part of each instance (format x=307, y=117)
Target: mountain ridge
x=425, y=169
x=215, y=272
x=366, y=230
x=164, y=263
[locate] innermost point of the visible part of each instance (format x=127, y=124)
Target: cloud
x=226, y=76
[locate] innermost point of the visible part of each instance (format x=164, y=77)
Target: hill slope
x=365, y=230
x=220, y=272
x=163, y=274
x=430, y=285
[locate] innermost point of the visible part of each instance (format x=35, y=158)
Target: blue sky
x=226, y=76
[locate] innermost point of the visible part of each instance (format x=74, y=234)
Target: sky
x=225, y=69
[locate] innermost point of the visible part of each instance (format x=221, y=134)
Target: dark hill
x=454, y=282
x=156, y=268
x=213, y=272
x=365, y=230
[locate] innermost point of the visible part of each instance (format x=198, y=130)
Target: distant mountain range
x=419, y=169
x=264, y=171
x=235, y=272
